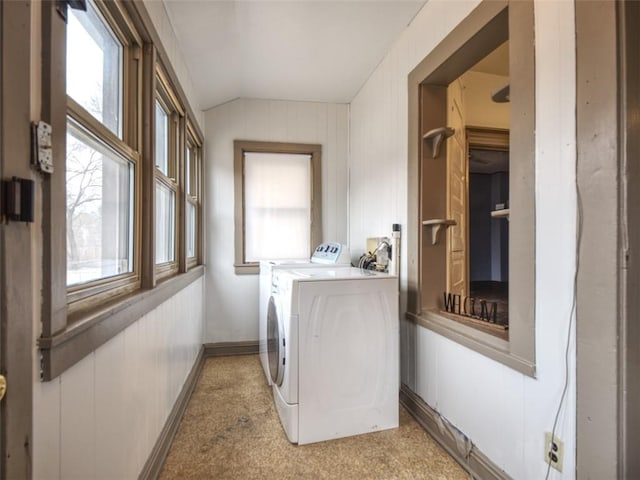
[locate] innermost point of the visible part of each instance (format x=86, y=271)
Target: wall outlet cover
x=553, y=451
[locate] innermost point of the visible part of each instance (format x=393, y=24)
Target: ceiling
x=306, y=50
x=496, y=63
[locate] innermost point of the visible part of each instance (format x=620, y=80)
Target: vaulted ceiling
x=307, y=50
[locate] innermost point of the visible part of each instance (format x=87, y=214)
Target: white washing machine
x=324, y=254
x=333, y=352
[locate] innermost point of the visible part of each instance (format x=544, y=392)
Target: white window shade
x=277, y=202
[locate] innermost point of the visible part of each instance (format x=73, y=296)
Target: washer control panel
x=331, y=253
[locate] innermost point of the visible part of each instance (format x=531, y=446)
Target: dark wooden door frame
x=16, y=240
x=629, y=325
x=608, y=305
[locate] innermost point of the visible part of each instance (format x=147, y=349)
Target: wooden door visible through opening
x=457, y=202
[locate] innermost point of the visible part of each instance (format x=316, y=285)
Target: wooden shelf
x=504, y=213
x=436, y=225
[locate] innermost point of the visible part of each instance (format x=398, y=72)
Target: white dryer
x=333, y=352
x=323, y=255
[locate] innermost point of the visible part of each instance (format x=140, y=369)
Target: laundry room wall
x=103, y=416
x=503, y=412
x=162, y=23
x=231, y=300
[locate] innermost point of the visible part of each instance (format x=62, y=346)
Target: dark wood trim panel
x=238, y=213
x=54, y=112
x=17, y=261
x=629, y=330
x=148, y=164
x=181, y=196
x=222, y=349
x=476, y=463
x=61, y=351
x=601, y=269
x=153, y=465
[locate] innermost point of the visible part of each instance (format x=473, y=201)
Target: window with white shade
x=277, y=202
x=277, y=205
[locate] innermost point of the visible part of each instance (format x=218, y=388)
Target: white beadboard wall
x=101, y=418
x=502, y=411
x=232, y=300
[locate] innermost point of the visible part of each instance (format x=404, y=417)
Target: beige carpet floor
x=231, y=430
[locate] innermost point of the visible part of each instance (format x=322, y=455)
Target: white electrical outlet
x=553, y=451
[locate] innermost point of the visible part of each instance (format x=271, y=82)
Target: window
x=193, y=195
x=101, y=168
x=277, y=194
x=95, y=67
x=168, y=139
x=118, y=202
x=439, y=179
x=100, y=208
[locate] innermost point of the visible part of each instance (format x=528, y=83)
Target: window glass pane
x=191, y=230
x=100, y=210
x=489, y=234
x=192, y=170
x=190, y=155
x=277, y=201
x=165, y=224
x=94, y=67
x=162, y=139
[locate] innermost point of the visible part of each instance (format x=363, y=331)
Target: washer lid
x=332, y=273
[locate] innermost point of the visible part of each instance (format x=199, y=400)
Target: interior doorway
x=489, y=228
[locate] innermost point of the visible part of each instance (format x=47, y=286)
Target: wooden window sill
x=85, y=334
x=484, y=343
x=247, y=268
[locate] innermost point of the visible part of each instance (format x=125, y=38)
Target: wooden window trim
x=67, y=338
x=84, y=297
x=478, y=34
x=194, y=197
x=63, y=350
x=243, y=146
x=173, y=179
